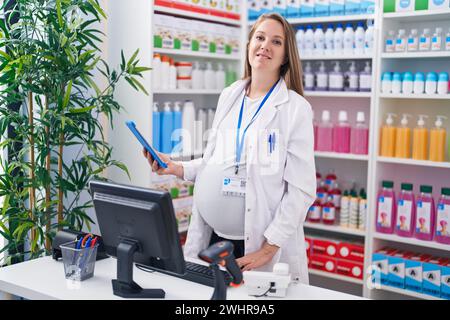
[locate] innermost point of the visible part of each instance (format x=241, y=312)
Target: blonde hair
x=291, y=70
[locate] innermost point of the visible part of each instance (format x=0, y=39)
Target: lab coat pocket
x=270, y=151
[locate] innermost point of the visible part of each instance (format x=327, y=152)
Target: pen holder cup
x=79, y=264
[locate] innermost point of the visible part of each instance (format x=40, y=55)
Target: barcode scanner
x=221, y=253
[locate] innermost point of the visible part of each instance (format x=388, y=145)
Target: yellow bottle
x=403, y=139
x=437, y=140
x=387, y=139
x=420, y=140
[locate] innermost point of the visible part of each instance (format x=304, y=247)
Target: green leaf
x=122, y=65
x=67, y=95
x=58, y=11
x=132, y=58
x=81, y=110
x=97, y=7
x=138, y=84
x=131, y=83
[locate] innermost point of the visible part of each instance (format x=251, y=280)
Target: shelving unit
x=196, y=15
x=414, y=96
x=418, y=54
x=187, y=92
x=346, y=156
x=338, y=94
x=412, y=162
x=417, y=16
x=340, y=57
x=408, y=293
x=196, y=54
x=331, y=19
x=334, y=229
x=412, y=241
x=334, y=276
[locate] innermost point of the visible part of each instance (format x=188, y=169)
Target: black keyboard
x=196, y=273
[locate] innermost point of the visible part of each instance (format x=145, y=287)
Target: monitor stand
x=124, y=286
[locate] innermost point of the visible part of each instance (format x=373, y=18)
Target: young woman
x=256, y=179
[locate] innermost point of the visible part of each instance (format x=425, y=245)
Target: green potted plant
x=50, y=102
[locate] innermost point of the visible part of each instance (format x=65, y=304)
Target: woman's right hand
x=173, y=167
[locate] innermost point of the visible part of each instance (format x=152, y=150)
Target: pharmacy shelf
x=334, y=276
x=188, y=92
x=334, y=229
x=191, y=14
x=312, y=20
x=417, y=16
x=415, y=96
x=416, y=55
x=412, y=162
x=340, y=57
x=196, y=54
x=346, y=156
x=408, y=293
x=338, y=94
x=412, y=241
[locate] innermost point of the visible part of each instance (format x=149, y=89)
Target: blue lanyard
x=240, y=143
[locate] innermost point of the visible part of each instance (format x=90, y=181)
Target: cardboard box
x=349, y=268
x=431, y=282
x=380, y=265
x=306, y=8
x=396, y=269
x=445, y=280
x=183, y=212
x=388, y=6
x=293, y=8
x=414, y=271
x=322, y=8
x=324, y=247
x=323, y=263
x=351, y=251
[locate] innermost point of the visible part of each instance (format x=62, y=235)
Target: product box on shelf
x=254, y=9
x=293, y=8
x=322, y=8
x=351, y=269
x=308, y=245
x=183, y=212
x=351, y=251
x=380, y=265
x=323, y=263
x=280, y=6
x=445, y=280
x=421, y=5
x=367, y=6
x=431, y=283
x=438, y=4
x=396, y=269
x=414, y=271
x=306, y=8
x=337, y=7
x=266, y=6
x=388, y=6
x=324, y=247
x=352, y=7
x=168, y=3
x=404, y=5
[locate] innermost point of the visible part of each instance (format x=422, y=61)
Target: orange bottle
x=388, y=135
x=437, y=140
x=420, y=140
x=403, y=139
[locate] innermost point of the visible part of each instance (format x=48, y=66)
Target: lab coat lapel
x=235, y=94
x=270, y=109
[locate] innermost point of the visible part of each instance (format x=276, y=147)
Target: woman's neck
x=261, y=84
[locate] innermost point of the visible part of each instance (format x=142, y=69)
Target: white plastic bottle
x=309, y=77
x=447, y=40
x=368, y=38
x=413, y=41
x=360, y=36
x=197, y=77
x=349, y=40
x=336, y=79
x=329, y=40
x=389, y=43
x=309, y=41
x=319, y=41
x=188, y=122
x=220, y=77
x=365, y=78
x=300, y=39
x=172, y=75
x=425, y=41
x=322, y=78
x=436, y=41
x=201, y=123
x=165, y=70
x=209, y=78
x=156, y=71
x=400, y=41
x=352, y=78
x=339, y=40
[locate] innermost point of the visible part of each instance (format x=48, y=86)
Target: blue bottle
x=156, y=125
x=166, y=129
x=176, y=142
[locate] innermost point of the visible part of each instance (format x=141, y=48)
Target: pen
x=270, y=143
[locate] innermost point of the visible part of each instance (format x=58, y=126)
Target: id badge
x=234, y=186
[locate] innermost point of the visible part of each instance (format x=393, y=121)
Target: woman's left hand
x=258, y=258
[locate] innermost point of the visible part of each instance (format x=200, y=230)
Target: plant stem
x=32, y=165
x=47, y=187
x=60, y=173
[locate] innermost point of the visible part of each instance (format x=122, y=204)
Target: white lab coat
x=281, y=186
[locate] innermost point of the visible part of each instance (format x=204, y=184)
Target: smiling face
x=266, y=51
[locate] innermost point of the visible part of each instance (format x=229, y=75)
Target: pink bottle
x=359, y=139
x=325, y=133
x=443, y=217
x=315, y=211
x=330, y=180
x=425, y=214
x=406, y=211
x=385, y=218
x=335, y=193
x=341, y=134
x=322, y=193
x=328, y=212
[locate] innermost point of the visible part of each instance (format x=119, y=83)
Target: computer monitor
x=137, y=225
